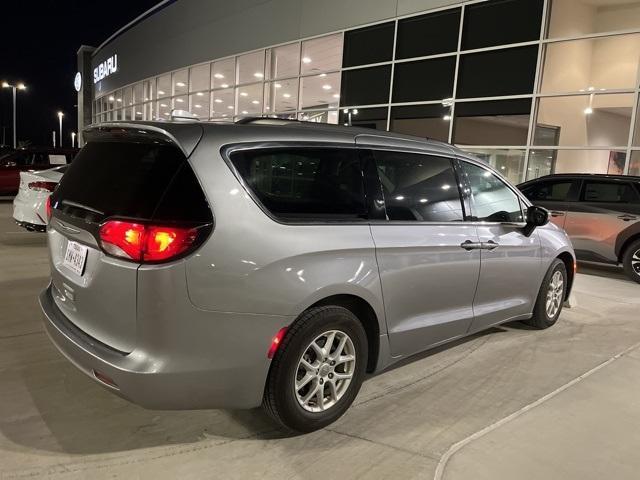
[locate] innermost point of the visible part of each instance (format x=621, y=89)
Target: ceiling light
x=118, y=100
x=225, y=85
x=179, y=100
x=197, y=106
x=355, y=111
x=336, y=95
x=138, y=113
x=218, y=75
x=244, y=112
x=180, y=84
x=323, y=74
x=244, y=94
x=166, y=113
x=326, y=87
x=199, y=94
x=446, y=118
x=163, y=105
x=217, y=100
x=286, y=95
x=160, y=92
x=277, y=85
x=306, y=60
x=255, y=102
x=258, y=75
x=111, y=99
x=588, y=111
x=230, y=107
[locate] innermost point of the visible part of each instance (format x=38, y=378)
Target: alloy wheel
x=555, y=294
x=325, y=371
x=635, y=262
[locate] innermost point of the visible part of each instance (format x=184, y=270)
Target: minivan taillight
x=145, y=242
x=42, y=186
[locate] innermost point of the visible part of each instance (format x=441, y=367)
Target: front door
x=510, y=265
x=427, y=255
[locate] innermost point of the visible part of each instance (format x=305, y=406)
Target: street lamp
x=20, y=86
x=73, y=139
x=60, y=115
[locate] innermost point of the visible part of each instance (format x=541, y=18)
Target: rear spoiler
x=185, y=136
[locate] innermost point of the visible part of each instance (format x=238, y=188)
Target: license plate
x=75, y=257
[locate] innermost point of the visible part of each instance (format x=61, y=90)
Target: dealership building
x=532, y=86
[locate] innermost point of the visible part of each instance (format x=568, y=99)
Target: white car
x=30, y=204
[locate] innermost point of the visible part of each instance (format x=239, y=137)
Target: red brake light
x=42, y=186
x=275, y=343
x=141, y=242
x=48, y=208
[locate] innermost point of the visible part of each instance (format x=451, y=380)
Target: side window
x=549, y=191
x=609, y=192
x=492, y=199
x=419, y=187
x=305, y=183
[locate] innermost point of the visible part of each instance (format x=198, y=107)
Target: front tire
x=631, y=261
x=551, y=297
x=318, y=369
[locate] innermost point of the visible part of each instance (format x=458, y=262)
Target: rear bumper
x=30, y=213
x=181, y=379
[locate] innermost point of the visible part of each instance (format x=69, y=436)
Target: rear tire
x=631, y=261
x=304, y=364
x=551, y=297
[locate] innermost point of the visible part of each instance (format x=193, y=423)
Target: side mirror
x=536, y=217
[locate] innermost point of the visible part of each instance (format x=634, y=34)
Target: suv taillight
x=42, y=186
x=142, y=242
x=48, y=208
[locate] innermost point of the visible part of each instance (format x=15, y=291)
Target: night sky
x=40, y=39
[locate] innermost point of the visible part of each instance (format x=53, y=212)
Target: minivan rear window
x=305, y=183
x=131, y=180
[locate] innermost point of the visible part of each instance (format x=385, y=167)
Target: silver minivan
x=201, y=265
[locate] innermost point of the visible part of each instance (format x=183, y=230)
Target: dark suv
x=601, y=214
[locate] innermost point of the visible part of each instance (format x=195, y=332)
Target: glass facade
x=532, y=86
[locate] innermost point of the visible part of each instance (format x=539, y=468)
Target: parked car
x=601, y=214
x=30, y=204
x=197, y=265
x=30, y=160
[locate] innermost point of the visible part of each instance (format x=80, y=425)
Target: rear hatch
x=125, y=176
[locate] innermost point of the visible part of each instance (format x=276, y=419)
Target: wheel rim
x=325, y=371
x=555, y=294
x=635, y=262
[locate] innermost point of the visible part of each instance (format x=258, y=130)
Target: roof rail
x=266, y=121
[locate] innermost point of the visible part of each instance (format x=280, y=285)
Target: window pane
x=138, y=95
x=138, y=112
x=224, y=73
x=418, y=187
x=322, y=54
x=500, y=122
x=284, y=61
x=593, y=120
x=499, y=72
x=149, y=90
x=430, y=121
x=118, y=97
x=128, y=98
x=368, y=45
x=501, y=22
x=579, y=17
x=223, y=103
x=556, y=191
x=251, y=67
x=510, y=163
x=424, y=80
x=491, y=199
x=283, y=95
x=305, y=184
x=375, y=118
x=199, y=78
x=609, y=192
x=250, y=99
x=591, y=65
x=164, y=86
x=634, y=167
x=179, y=82
x=110, y=102
x=368, y=86
x=321, y=91
x=199, y=104
x=181, y=103
x=428, y=34
x=544, y=162
x=163, y=109
x=330, y=116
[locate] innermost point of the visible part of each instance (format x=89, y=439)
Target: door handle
x=469, y=245
x=627, y=217
x=490, y=245
x=555, y=213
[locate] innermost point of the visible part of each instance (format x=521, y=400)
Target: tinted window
x=430, y=121
x=305, y=183
x=609, y=192
x=419, y=187
x=495, y=122
x=129, y=180
x=368, y=45
x=424, y=80
x=367, y=86
x=500, y=72
x=500, y=22
x=548, y=191
x=492, y=199
x=428, y=34
x=375, y=118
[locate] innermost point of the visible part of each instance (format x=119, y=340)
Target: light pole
x=20, y=86
x=60, y=115
x=73, y=139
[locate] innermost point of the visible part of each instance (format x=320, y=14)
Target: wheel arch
x=570, y=264
x=622, y=248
